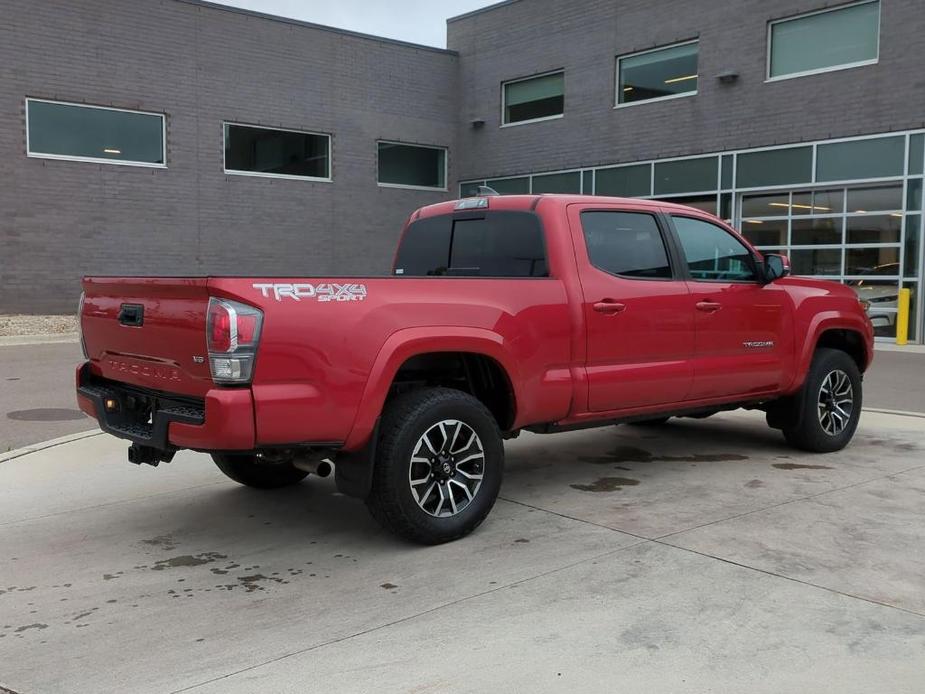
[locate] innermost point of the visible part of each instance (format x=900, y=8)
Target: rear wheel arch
x=405, y=346
x=476, y=373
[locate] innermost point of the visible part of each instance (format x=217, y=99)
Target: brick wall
x=201, y=65
x=530, y=36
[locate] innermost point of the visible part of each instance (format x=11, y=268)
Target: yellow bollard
x=902, y=316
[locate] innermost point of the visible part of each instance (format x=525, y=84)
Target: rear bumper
x=221, y=421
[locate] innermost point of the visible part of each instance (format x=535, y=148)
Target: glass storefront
x=850, y=234
x=848, y=210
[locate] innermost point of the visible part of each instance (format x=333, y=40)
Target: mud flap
x=353, y=471
x=785, y=412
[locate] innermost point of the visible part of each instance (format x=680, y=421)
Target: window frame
x=407, y=186
x=97, y=160
x=685, y=266
x=664, y=234
x=265, y=174
x=504, y=83
x=670, y=97
x=822, y=70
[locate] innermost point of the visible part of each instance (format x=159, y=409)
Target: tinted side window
x=424, y=247
x=712, y=253
x=498, y=244
x=625, y=243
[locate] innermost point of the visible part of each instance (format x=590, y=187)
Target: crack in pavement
x=790, y=501
x=408, y=618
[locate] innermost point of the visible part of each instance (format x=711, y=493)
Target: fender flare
x=820, y=322
x=409, y=342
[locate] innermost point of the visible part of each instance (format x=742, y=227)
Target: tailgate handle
x=132, y=315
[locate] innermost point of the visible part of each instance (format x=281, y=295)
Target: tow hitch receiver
x=147, y=455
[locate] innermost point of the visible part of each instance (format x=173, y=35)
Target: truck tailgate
x=149, y=332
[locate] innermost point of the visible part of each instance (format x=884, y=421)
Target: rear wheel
x=829, y=404
x=439, y=463
x=248, y=470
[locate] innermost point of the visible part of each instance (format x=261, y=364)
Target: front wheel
x=246, y=469
x=829, y=404
x=439, y=463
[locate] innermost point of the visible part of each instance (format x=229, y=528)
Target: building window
x=258, y=151
x=569, y=182
x=533, y=98
x=624, y=181
x=58, y=130
x=774, y=167
x=412, y=166
x=686, y=175
x=868, y=158
x=825, y=40
x=661, y=73
x=510, y=186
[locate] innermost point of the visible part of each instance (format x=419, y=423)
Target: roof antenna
x=485, y=190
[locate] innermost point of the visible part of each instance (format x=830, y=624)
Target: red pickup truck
x=503, y=313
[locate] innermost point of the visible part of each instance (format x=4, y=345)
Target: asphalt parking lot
x=704, y=556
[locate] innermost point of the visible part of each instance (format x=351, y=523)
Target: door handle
x=609, y=307
x=708, y=306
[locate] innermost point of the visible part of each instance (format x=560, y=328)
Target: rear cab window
x=627, y=244
x=486, y=244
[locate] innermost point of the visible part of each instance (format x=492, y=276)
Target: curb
x=17, y=340
x=890, y=347
x=899, y=413
x=51, y=443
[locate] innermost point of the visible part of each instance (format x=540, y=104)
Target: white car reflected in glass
x=882, y=297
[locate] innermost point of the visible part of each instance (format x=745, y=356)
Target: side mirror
x=775, y=266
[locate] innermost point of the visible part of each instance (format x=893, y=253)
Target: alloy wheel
x=446, y=468
x=835, y=402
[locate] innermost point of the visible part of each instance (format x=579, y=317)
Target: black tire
x=654, y=422
x=407, y=420
x=808, y=429
x=244, y=469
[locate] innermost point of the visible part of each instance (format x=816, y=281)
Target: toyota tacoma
x=543, y=313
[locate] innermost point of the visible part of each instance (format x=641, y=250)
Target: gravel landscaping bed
x=11, y=325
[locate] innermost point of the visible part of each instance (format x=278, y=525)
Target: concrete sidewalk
x=702, y=556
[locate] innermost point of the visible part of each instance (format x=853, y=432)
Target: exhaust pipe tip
x=313, y=465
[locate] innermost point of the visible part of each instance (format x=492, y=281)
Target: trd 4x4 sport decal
x=319, y=292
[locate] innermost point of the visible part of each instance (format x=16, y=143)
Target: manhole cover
x=46, y=414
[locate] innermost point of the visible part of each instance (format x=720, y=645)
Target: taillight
x=233, y=332
x=80, y=330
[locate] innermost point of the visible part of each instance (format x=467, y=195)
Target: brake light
x=247, y=328
x=233, y=332
x=219, y=328
x=80, y=329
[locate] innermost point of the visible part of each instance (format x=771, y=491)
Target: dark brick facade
x=520, y=38
x=200, y=65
